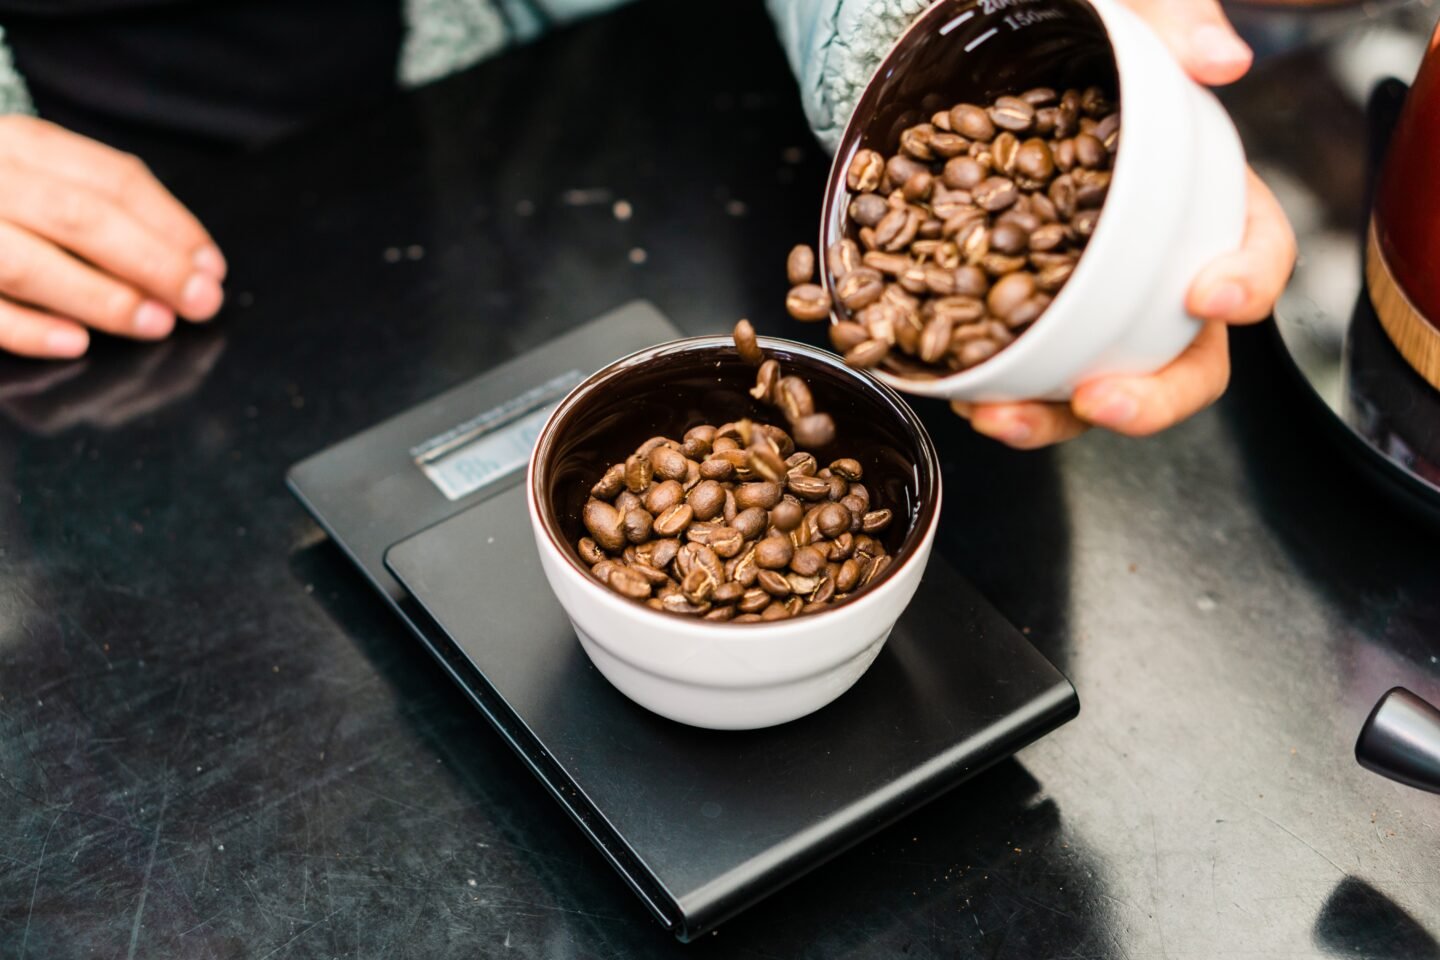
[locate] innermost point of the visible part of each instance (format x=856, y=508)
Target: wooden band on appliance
x=1415, y=337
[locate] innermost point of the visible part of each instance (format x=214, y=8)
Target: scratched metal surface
x=215, y=743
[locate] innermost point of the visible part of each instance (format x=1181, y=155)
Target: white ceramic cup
x=1176, y=201
x=724, y=675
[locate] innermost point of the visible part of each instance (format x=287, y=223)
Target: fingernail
x=153, y=320
x=211, y=262
x=1107, y=406
x=1225, y=300
x=1216, y=45
x=1009, y=430
x=201, y=298
x=66, y=342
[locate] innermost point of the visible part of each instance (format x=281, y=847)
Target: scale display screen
x=493, y=445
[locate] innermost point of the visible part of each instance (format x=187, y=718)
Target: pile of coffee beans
x=965, y=234
x=736, y=522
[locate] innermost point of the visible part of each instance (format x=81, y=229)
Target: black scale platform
x=430, y=506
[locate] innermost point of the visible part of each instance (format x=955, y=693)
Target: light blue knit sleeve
x=834, y=47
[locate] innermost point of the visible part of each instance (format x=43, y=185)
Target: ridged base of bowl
x=1417, y=338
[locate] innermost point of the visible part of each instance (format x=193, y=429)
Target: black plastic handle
x=1401, y=740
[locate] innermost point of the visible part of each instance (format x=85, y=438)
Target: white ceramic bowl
x=723, y=675
x=1176, y=200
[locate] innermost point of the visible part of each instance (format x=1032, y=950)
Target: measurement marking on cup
x=981, y=39
x=956, y=22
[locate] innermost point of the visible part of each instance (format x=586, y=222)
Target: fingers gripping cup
x=1176, y=192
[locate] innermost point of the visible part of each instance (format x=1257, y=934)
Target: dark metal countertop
x=214, y=742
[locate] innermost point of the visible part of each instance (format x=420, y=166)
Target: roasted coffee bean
x=719, y=614
x=1090, y=152
x=865, y=171
x=637, y=525
x=590, y=551
x=697, y=441
x=765, y=380
x=773, y=583
x=638, y=473
x=844, y=255
x=605, y=523
x=762, y=493
x=800, y=265
x=808, y=561
x=971, y=122
x=745, y=345
x=1107, y=131
x=893, y=264
x=975, y=352
x=793, y=397
x=727, y=592
x=1028, y=312
x=677, y=603
x=786, y=515
x=1094, y=102
x=1004, y=152
x=610, y=484
x=896, y=229
x=668, y=464
x=1034, y=160
x=935, y=339
x=653, y=443
x=875, y=521
x=1091, y=186
x=867, y=354
x=802, y=585
x=996, y=194
x=808, y=488
x=706, y=500
x=847, y=469
x=945, y=144
x=915, y=141
x=847, y=335
x=861, y=287
x=1062, y=194
x=673, y=521
x=999, y=265
x=849, y=576
x=918, y=187
x=833, y=520
x=867, y=209
x=655, y=577
x=963, y=173
x=842, y=546
x=808, y=302
x=766, y=463
x=1052, y=278
x=1013, y=114
x=776, y=611
x=1040, y=96
x=752, y=522
x=628, y=583
x=1084, y=222
x=773, y=553
x=815, y=431
x=802, y=463
x=1049, y=237
x=1009, y=292
x=754, y=600
x=717, y=468
x=1008, y=238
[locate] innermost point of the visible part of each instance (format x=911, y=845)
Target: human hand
x=90, y=239
x=1238, y=288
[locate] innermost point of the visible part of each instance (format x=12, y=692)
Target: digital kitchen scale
x=430, y=505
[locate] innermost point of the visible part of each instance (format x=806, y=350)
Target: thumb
x=1199, y=35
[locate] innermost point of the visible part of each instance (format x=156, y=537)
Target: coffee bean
x=1049, y=237
x=1085, y=221
x=868, y=354
x=996, y=194
x=867, y=209
x=802, y=585
x=1009, y=238
x=1004, y=153
x=935, y=339
x=849, y=576
x=959, y=309
x=1094, y=103
x=875, y=521
x=808, y=488
x=865, y=171
x=1009, y=292
x=719, y=614
x=628, y=583
x=971, y=122
x=668, y=464
x=763, y=493
x=1091, y=186
x=808, y=302
x=844, y=255
x=786, y=515
x=745, y=344
x=673, y=521
x=726, y=541
x=605, y=523
x=590, y=551
x=1062, y=194
x=765, y=380
x=1090, y=152
x=793, y=397
x=637, y=525
x=915, y=141
x=808, y=561
x=976, y=352
x=800, y=265
x=1040, y=96
x=716, y=468
x=610, y=484
x=1065, y=155
x=833, y=520
x=773, y=553
x=847, y=335
x=1107, y=131
x=946, y=144
x=802, y=463
x=706, y=500
x=1052, y=278
x=999, y=264
x=753, y=601
x=1034, y=160
x=963, y=173
x=918, y=187
x=847, y=469
x=817, y=430
x=1013, y=114
x=859, y=288
x=1028, y=312
x=773, y=583
x=751, y=523
x=766, y=463
x=842, y=546
x=728, y=592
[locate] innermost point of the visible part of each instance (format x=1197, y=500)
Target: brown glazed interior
x=666, y=390
x=927, y=72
